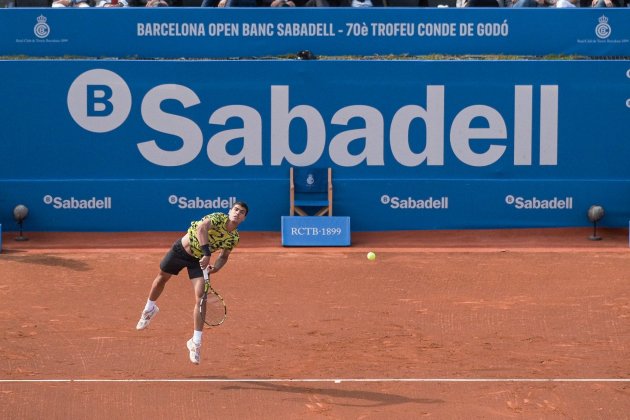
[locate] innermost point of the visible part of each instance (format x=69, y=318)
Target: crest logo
x=310, y=180
x=603, y=29
x=41, y=29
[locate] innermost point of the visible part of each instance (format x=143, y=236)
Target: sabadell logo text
x=100, y=101
x=426, y=203
x=184, y=202
x=73, y=203
x=535, y=203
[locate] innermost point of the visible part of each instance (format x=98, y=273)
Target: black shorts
x=177, y=258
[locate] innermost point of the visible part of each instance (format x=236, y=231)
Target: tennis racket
x=212, y=308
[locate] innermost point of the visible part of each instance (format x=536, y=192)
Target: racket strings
x=215, y=309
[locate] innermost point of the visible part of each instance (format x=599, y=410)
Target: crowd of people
x=337, y=3
x=541, y=3
x=112, y=3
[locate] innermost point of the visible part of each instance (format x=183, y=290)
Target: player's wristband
x=206, y=250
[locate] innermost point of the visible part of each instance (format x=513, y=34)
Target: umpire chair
x=311, y=191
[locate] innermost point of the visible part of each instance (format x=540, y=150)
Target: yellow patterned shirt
x=218, y=236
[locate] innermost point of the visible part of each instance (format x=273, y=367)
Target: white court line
x=338, y=380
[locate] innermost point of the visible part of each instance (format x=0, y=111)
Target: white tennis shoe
x=194, y=351
x=146, y=317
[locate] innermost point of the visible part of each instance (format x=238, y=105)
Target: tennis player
x=216, y=231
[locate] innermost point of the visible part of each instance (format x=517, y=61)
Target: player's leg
x=171, y=265
x=150, y=308
x=198, y=315
x=158, y=285
x=194, y=344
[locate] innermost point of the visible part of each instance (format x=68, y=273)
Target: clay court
x=444, y=324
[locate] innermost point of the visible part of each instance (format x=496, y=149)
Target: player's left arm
x=220, y=261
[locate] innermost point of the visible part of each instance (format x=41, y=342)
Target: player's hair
x=244, y=205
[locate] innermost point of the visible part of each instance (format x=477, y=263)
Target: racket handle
x=205, y=291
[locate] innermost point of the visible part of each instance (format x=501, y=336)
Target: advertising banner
x=150, y=145
x=259, y=32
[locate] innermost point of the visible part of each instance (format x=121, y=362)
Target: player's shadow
x=47, y=260
x=377, y=399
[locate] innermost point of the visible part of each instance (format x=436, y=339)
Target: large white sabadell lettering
x=470, y=144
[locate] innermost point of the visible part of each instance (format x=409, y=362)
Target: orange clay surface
x=444, y=324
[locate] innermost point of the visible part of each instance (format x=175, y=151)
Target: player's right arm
x=202, y=236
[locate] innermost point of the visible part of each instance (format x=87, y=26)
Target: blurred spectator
x=405, y=3
x=112, y=3
x=282, y=3
x=71, y=3
x=328, y=3
x=566, y=3
x=149, y=3
x=236, y=3
x=478, y=3
x=607, y=3
x=344, y=3
x=531, y=3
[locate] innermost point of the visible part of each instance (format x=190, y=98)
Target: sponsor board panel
x=138, y=205
x=242, y=32
x=372, y=205
x=479, y=204
x=159, y=120
x=124, y=130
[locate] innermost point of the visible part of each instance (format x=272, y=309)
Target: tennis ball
x=371, y=256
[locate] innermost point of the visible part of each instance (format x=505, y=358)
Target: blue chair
x=311, y=189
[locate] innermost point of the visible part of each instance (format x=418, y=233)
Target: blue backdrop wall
x=116, y=145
